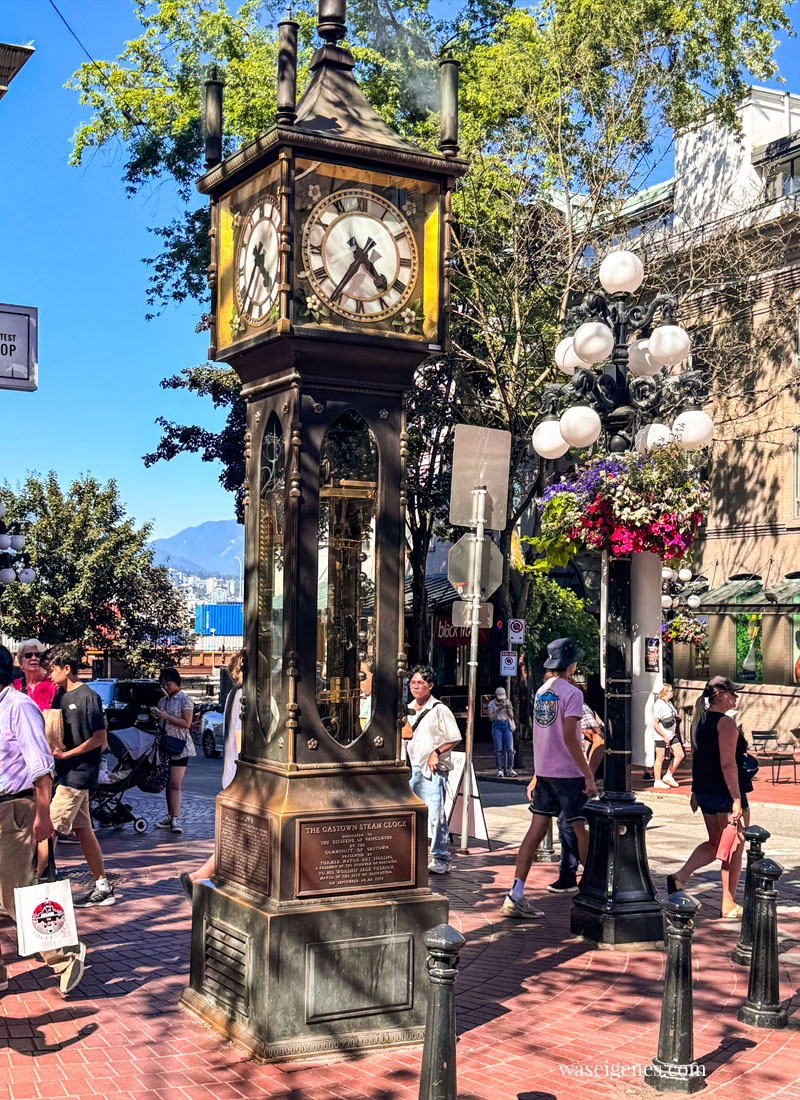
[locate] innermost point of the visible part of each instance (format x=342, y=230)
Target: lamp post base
x=616, y=905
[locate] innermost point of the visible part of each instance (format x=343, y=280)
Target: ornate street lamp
x=631, y=402
x=14, y=563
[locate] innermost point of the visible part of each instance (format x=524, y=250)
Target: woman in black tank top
x=719, y=789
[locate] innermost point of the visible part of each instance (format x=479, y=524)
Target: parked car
x=128, y=702
x=212, y=733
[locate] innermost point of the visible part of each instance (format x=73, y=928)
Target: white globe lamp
x=653, y=435
x=693, y=602
x=593, y=342
x=667, y=574
x=684, y=574
x=7, y=576
x=547, y=440
x=693, y=429
x=2, y=510
x=566, y=359
x=668, y=344
x=640, y=361
x=580, y=426
x=17, y=542
x=666, y=602
x=621, y=272
x=27, y=575
x=5, y=542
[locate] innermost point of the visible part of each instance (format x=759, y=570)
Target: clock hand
x=379, y=280
x=362, y=255
x=258, y=260
x=246, y=295
x=345, y=279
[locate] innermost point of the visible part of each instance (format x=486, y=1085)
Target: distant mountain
x=205, y=550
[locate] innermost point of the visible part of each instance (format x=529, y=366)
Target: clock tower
x=329, y=278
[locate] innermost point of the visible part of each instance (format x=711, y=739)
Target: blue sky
x=72, y=245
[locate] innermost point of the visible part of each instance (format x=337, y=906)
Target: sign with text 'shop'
x=19, y=367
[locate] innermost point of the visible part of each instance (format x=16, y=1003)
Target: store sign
x=444, y=633
x=19, y=368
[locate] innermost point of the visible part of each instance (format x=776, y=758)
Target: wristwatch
x=438, y=752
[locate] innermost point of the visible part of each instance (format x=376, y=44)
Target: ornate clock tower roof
x=333, y=118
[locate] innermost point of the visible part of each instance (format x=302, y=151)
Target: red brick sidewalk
x=540, y=1015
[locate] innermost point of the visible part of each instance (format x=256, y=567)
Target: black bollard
x=546, y=852
x=674, y=1068
x=756, y=836
x=437, y=1080
x=763, y=1007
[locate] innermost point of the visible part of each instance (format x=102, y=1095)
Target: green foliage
x=556, y=612
x=95, y=579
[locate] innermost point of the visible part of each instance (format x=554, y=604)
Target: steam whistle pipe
x=448, y=82
x=287, y=70
x=212, y=118
x=479, y=513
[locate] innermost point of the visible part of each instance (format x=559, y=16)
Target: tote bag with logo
x=45, y=916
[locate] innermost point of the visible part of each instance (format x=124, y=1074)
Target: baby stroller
x=140, y=763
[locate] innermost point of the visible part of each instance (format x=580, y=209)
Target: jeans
x=431, y=791
x=503, y=744
x=568, y=867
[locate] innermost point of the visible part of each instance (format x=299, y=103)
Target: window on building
x=784, y=179
x=796, y=472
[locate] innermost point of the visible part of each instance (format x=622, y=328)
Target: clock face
x=256, y=255
x=360, y=255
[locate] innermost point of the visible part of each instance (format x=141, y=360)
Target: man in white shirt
x=430, y=733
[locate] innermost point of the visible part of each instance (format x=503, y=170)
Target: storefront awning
x=781, y=596
x=731, y=595
x=748, y=595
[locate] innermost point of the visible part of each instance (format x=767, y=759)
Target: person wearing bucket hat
x=501, y=713
x=563, y=780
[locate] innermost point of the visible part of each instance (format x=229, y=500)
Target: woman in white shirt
x=667, y=739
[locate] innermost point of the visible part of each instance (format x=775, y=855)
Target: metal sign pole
x=479, y=513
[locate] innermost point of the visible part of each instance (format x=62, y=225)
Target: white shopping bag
x=45, y=916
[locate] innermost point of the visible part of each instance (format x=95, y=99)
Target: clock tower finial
x=332, y=24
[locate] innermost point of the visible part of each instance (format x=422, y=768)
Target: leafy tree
x=95, y=579
x=566, y=108
x=556, y=612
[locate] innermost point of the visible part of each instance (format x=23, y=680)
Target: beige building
x=749, y=553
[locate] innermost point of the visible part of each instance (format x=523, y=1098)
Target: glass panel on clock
x=346, y=577
x=270, y=576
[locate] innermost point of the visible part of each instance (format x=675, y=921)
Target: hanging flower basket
x=625, y=504
x=687, y=629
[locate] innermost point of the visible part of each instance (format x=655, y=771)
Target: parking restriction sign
x=516, y=631
x=508, y=662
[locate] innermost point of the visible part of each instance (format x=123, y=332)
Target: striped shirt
x=24, y=753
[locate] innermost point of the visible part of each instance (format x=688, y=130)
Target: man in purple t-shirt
x=563, y=779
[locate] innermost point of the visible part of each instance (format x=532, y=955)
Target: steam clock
x=329, y=282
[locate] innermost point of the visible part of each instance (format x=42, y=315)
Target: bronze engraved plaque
x=348, y=855
x=243, y=848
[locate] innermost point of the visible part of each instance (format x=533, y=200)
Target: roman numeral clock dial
x=256, y=252
x=360, y=255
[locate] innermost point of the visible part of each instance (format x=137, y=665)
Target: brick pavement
x=539, y=1014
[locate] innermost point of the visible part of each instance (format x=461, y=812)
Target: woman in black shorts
x=719, y=789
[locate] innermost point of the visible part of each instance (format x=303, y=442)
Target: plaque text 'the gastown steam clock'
x=330, y=242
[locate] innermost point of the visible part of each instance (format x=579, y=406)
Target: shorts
x=718, y=803
x=69, y=809
x=675, y=739
x=179, y=762
x=552, y=796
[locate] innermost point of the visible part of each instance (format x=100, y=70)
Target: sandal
x=673, y=886
x=733, y=914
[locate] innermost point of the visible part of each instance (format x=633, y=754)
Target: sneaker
x=511, y=774
x=73, y=972
x=101, y=895
x=561, y=886
x=439, y=866
x=187, y=884
x=67, y=838
x=501, y=774
x=671, y=781
x=660, y=785
x=165, y=822
x=175, y=826
x=522, y=909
